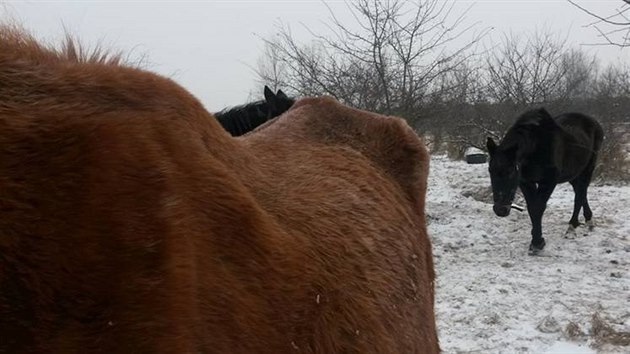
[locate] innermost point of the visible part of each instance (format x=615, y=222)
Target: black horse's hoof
x=536, y=249
x=571, y=233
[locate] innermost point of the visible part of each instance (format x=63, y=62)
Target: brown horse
x=131, y=222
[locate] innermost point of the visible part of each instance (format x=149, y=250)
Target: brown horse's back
x=349, y=186
x=131, y=222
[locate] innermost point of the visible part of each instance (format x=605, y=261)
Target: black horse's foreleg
x=536, y=198
x=535, y=215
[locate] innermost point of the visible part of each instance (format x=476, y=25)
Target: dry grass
x=573, y=331
x=603, y=333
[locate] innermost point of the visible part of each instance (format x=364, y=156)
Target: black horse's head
x=242, y=119
x=504, y=176
x=521, y=140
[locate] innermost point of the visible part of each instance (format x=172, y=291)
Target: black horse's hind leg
x=588, y=214
x=536, y=198
x=580, y=187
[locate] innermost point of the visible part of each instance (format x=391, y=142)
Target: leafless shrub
x=613, y=81
x=455, y=151
x=613, y=163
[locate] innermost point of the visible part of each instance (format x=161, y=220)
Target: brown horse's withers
x=132, y=222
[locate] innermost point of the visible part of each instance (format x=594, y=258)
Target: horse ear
x=284, y=102
x=491, y=145
x=281, y=95
x=273, y=101
x=540, y=115
x=543, y=113
x=269, y=95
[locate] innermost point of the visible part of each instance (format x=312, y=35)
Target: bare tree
x=579, y=74
x=613, y=82
x=526, y=71
x=271, y=69
x=613, y=28
x=388, y=60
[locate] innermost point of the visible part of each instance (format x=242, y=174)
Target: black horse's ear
x=543, y=113
x=491, y=145
x=281, y=95
x=537, y=117
x=269, y=95
x=273, y=101
x=545, y=118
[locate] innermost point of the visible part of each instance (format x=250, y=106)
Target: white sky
x=210, y=47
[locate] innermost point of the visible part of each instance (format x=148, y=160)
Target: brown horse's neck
x=39, y=82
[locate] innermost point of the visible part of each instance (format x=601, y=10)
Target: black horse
x=536, y=154
x=245, y=118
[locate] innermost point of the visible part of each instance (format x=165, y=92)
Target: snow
x=568, y=348
x=492, y=297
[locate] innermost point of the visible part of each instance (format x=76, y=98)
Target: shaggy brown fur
x=131, y=222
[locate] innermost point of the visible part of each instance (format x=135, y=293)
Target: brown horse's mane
x=36, y=76
x=17, y=42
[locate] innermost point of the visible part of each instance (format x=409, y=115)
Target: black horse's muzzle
x=501, y=210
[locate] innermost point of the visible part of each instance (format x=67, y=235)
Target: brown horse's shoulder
x=388, y=141
x=405, y=156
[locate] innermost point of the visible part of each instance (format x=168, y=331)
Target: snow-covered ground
x=492, y=297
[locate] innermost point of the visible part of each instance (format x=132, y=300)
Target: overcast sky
x=210, y=47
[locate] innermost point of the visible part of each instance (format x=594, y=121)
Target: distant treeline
x=421, y=61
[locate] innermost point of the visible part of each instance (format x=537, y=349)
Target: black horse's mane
x=244, y=118
x=246, y=108
x=527, y=128
x=241, y=119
